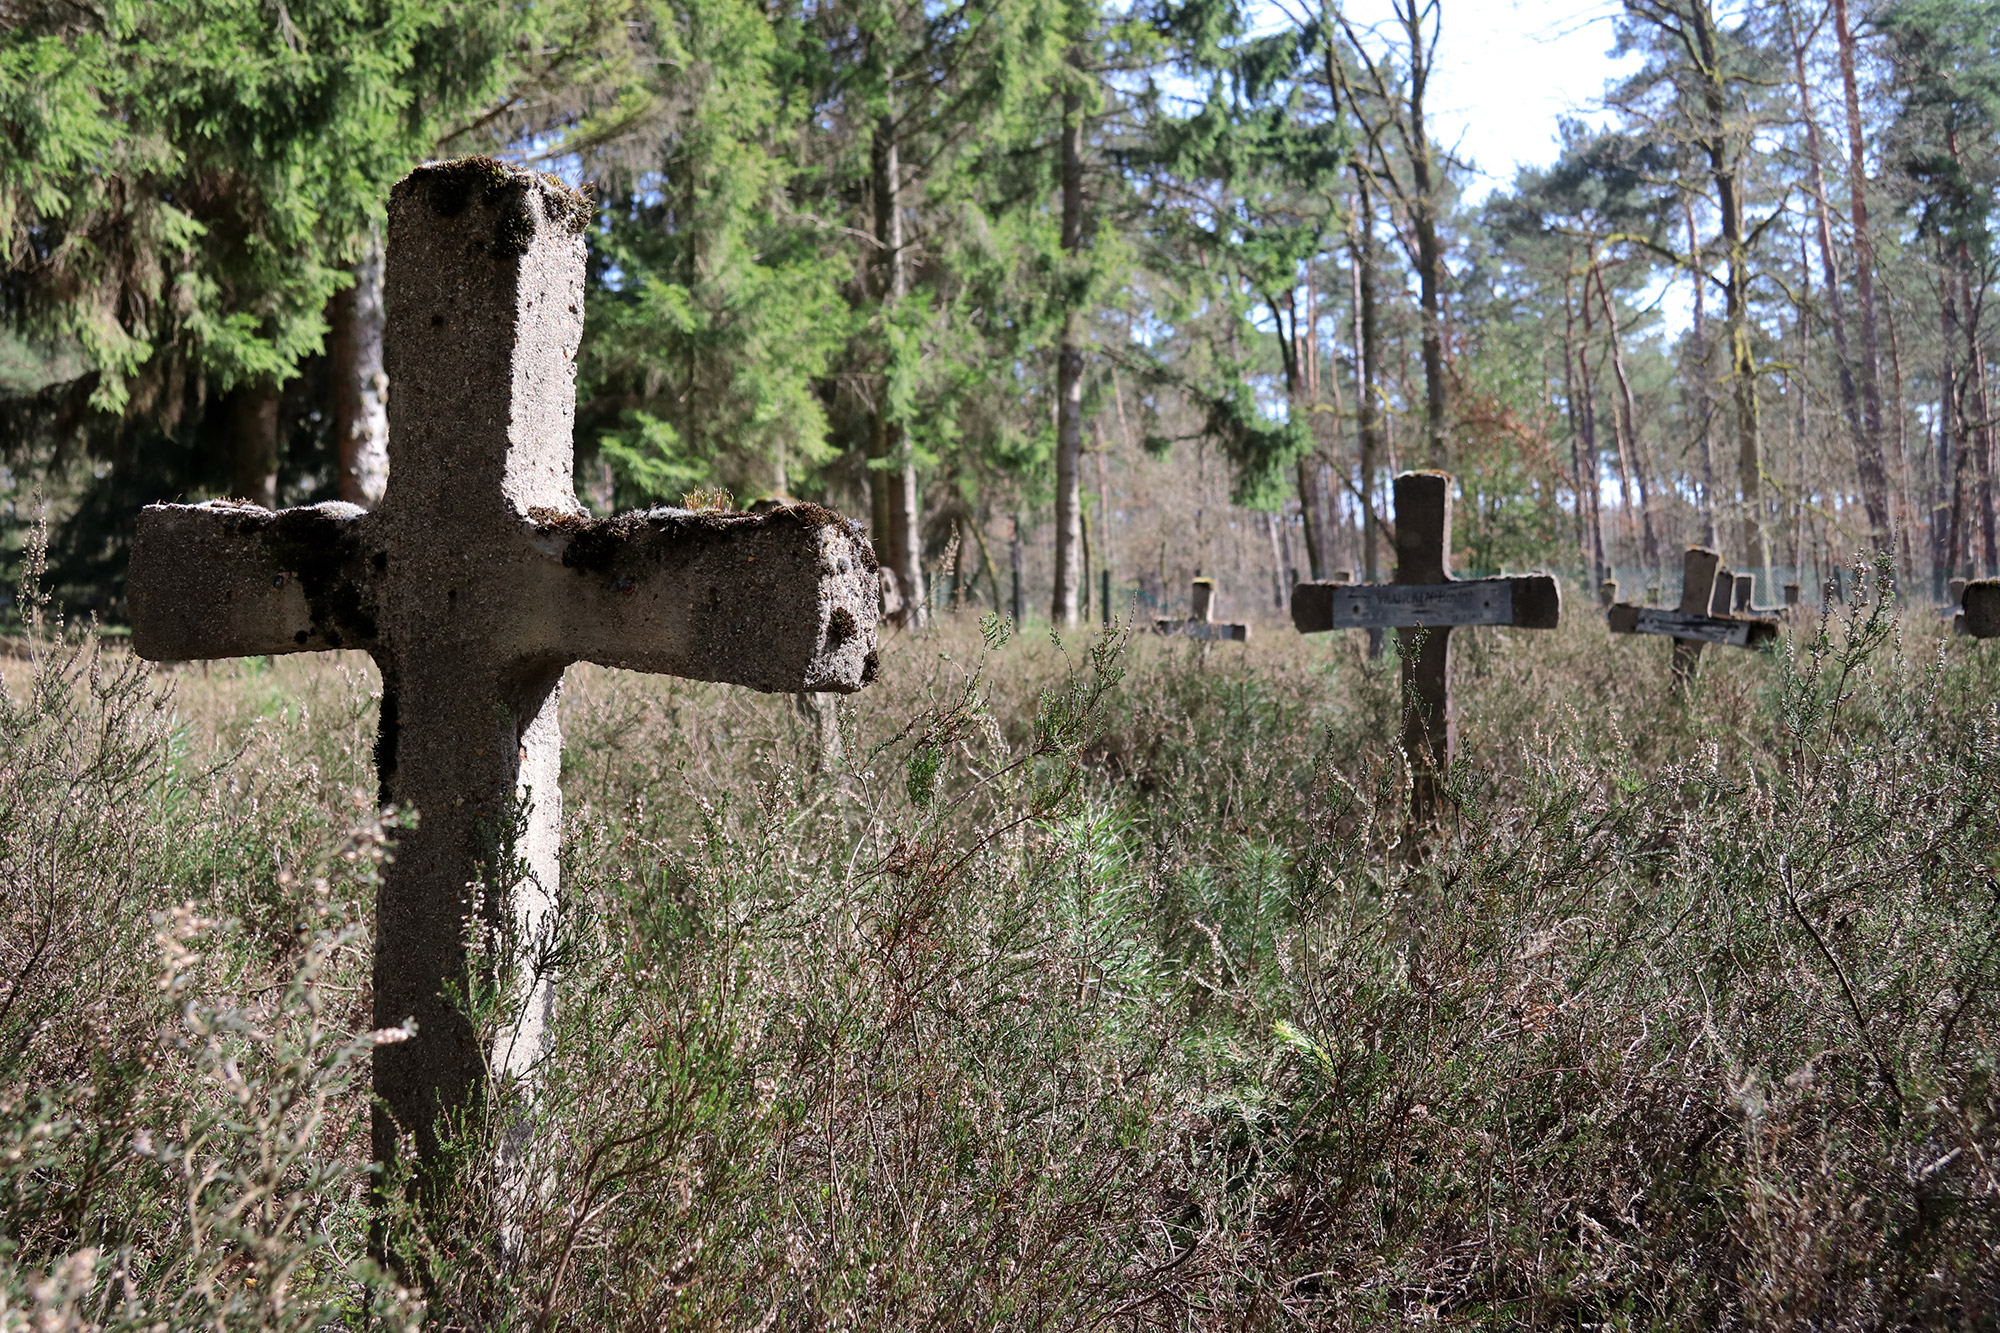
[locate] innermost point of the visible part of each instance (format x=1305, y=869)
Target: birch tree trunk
x=1069, y=380
x=360, y=388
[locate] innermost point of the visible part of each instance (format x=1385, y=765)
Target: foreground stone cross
x=1707, y=591
x=1426, y=597
x=1201, y=622
x=476, y=583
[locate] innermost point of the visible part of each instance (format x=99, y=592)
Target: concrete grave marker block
x=477, y=582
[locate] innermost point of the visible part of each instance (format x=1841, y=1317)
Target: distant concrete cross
x=1426, y=597
x=477, y=582
x=1954, y=614
x=1707, y=592
x=1982, y=609
x=1201, y=622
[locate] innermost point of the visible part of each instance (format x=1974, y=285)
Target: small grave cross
x=477, y=582
x=1425, y=596
x=1201, y=623
x=1707, y=590
x=1954, y=614
x=1982, y=609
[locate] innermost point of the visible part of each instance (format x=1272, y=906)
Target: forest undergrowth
x=1082, y=985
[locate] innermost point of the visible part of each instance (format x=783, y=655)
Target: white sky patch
x=1507, y=70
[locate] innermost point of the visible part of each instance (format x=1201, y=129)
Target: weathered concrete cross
x=1707, y=590
x=1954, y=614
x=1982, y=608
x=478, y=581
x=1425, y=596
x=1201, y=622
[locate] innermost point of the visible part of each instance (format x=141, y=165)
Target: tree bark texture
x=1630, y=459
x=1368, y=351
x=1864, y=244
x=1592, y=472
x=1430, y=252
x=1704, y=405
x=1867, y=438
x=892, y=474
x=253, y=434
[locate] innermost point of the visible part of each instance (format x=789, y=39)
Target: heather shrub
x=1079, y=984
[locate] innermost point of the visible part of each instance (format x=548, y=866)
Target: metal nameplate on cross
x=478, y=581
x=1424, y=597
x=1680, y=625
x=1201, y=623
x=1708, y=594
x=1471, y=602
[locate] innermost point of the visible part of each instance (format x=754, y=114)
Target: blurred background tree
x=1136, y=290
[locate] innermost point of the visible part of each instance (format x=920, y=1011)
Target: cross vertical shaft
x=485, y=301
x=1423, y=556
x=1699, y=568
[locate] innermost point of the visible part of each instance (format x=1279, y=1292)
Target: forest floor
x=1090, y=985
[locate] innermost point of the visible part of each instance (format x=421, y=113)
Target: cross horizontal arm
x=227, y=579
x=1528, y=601
x=1205, y=629
x=1625, y=618
x=780, y=601
x=1982, y=609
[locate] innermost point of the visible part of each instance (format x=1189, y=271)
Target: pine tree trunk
x=360, y=388
x=1586, y=413
x=1868, y=467
x=1430, y=252
x=1069, y=381
x=1951, y=446
x=1982, y=430
x=894, y=476
x=1016, y=562
x=1628, y=431
x=1722, y=147
x=1906, y=498
x=1368, y=348
x=1743, y=374
x=1870, y=363
x=1278, y=587
x=1704, y=405
x=253, y=431
x=1583, y=547
x=1322, y=524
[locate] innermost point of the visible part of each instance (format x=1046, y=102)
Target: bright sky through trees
x=1507, y=69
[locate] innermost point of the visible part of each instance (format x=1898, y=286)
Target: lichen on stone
x=452, y=186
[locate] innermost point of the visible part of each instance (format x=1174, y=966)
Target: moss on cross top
x=453, y=185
